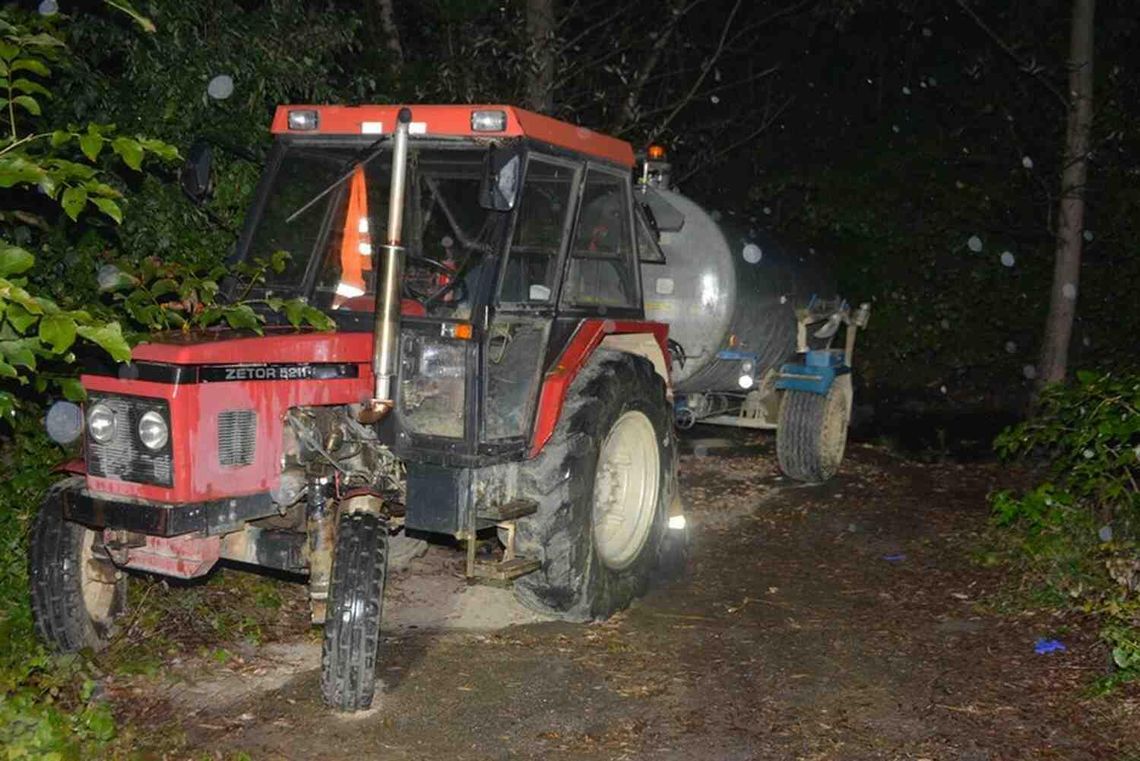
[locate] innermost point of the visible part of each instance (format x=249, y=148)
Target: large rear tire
x=76, y=590
x=603, y=483
x=812, y=432
x=355, y=605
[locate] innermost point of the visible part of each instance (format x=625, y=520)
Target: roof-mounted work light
x=488, y=121
x=306, y=119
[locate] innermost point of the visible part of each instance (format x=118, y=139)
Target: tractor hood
x=222, y=396
x=276, y=346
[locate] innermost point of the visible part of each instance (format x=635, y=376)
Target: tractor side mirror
x=197, y=173
x=502, y=172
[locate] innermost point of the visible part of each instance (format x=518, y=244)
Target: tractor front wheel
x=76, y=590
x=352, y=625
x=812, y=432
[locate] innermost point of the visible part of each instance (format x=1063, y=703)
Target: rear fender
x=639, y=337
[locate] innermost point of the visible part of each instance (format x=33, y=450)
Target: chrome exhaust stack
x=386, y=328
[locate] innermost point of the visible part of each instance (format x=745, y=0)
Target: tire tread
x=565, y=585
x=54, y=578
x=350, y=647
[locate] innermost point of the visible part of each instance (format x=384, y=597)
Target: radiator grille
x=236, y=437
x=124, y=457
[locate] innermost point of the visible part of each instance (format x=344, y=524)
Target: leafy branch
x=161, y=295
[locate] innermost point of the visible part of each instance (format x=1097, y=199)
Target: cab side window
x=602, y=271
x=530, y=273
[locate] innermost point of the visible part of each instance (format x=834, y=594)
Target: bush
x=1077, y=534
x=47, y=703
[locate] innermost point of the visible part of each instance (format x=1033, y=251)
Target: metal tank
x=728, y=293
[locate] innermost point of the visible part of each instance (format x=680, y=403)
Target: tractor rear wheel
x=603, y=483
x=76, y=590
x=355, y=604
x=812, y=432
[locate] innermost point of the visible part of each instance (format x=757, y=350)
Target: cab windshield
x=333, y=244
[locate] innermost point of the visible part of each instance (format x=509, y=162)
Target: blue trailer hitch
x=815, y=374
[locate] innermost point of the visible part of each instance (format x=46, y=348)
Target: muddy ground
x=843, y=621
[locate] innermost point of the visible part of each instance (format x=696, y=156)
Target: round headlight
x=153, y=432
x=101, y=423
x=745, y=381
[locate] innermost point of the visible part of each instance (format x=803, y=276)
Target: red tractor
x=492, y=376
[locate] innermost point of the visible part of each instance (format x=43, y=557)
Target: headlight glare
x=153, y=431
x=101, y=423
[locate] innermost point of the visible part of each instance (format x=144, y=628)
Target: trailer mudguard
x=815, y=374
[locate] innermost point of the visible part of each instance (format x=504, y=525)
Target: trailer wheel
x=602, y=482
x=352, y=625
x=75, y=593
x=812, y=432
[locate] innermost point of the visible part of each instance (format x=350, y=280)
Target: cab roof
x=455, y=121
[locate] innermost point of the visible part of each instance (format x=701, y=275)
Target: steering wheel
x=454, y=283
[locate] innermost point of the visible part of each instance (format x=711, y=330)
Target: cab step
x=509, y=511
x=504, y=571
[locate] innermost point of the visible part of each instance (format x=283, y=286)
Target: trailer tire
x=615, y=411
x=76, y=594
x=352, y=625
x=812, y=432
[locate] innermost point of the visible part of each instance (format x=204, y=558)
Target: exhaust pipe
x=386, y=328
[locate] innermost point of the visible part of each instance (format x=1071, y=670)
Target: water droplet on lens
x=220, y=87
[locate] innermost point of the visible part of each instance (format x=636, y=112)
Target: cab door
x=516, y=340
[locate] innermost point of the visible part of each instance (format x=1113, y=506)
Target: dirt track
x=831, y=622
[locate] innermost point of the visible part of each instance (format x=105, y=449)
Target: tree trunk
x=386, y=13
x=1071, y=212
x=540, y=32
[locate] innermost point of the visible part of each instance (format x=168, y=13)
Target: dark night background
x=919, y=144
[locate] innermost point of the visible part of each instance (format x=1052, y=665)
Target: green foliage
x=1091, y=435
x=304, y=53
x=35, y=724
x=1078, y=536
x=73, y=170
x=167, y=295
x=41, y=168
x=72, y=182
x=46, y=702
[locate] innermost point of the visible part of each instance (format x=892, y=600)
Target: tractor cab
x=515, y=227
